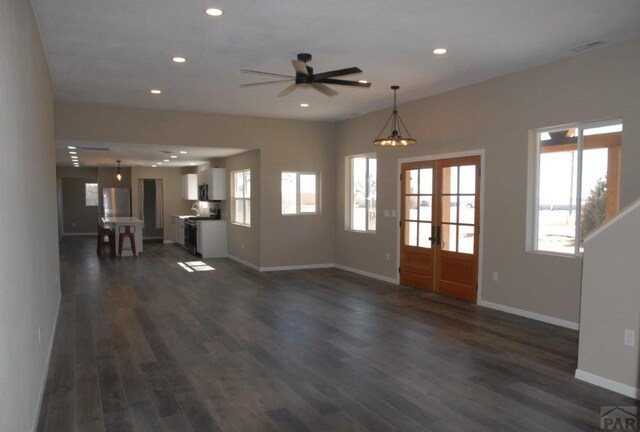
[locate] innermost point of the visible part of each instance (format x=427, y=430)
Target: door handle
x=435, y=235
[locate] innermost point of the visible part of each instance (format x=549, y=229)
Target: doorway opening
x=151, y=208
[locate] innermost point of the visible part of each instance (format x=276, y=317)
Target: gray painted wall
x=496, y=116
x=611, y=302
x=29, y=264
x=77, y=217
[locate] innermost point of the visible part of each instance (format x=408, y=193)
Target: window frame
x=298, y=193
x=350, y=197
x=245, y=191
x=532, y=244
x=97, y=195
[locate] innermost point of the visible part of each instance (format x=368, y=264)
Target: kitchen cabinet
x=212, y=238
x=190, y=187
x=216, y=179
x=177, y=223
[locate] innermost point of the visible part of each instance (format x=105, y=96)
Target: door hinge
x=400, y=177
x=400, y=224
x=399, y=269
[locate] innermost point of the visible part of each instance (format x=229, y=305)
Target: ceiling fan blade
x=324, y=89
x=343, y=82
x=254, y=72
x=265, y=82
x=335, y=73
x=288, y=90
x=300, y=67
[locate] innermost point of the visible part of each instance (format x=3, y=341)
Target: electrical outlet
x=393, y=213
x=629, y=338
x=495, y=276
x=388, y=256
x=386, y=213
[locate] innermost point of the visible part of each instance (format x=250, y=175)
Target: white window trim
x=532, y=213
x=243, y=198
x=349, y=195
x=317, y=193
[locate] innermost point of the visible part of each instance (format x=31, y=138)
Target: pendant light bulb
x=118, y=173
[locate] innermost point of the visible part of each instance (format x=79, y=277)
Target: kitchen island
x=117, y=224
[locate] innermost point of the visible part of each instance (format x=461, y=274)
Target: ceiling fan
x=305, y=76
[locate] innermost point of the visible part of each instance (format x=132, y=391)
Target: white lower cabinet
x=177, y=224
x=212, y=238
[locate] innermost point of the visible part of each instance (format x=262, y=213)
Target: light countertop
x=121, y=220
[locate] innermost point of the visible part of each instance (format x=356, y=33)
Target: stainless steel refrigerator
x=116, y=202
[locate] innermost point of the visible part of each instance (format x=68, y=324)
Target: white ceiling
x=115, y=51
x=99, y=154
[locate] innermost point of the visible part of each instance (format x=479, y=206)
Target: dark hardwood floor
x=143, y=345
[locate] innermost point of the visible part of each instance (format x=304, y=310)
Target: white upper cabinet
x=216, y=179
x=190, y=187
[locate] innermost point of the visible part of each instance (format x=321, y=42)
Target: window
x=241, y=197
x=299, y=194
x=577, y=183
x=91, y=194
x=362, y=205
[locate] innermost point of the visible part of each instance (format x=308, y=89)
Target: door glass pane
x=424, y=234
x=557, y=190
x=412, y=183
x=426, y=180
x=411, y=207
x=411, y=234
x=425, y=207
x=468, y=179
x=465, y=239
x=467, y=209
x=449, y=207
x=449, y=237
x=450, y=180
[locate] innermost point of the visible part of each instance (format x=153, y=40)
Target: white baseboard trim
x=168, y=241
x=243, y=262
x=624, y=389
x=297, y=267
x=79, y=234
x=43, y=385
x=532, y=315
x=366, y=273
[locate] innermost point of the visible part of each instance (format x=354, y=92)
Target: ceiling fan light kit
x=305, y=77
x=395, y=138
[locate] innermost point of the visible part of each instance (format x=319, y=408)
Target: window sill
x=358, y=231
x=555, y=254
x=241, y=224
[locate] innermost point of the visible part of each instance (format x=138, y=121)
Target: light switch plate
x=393, y=213
x=386, y=213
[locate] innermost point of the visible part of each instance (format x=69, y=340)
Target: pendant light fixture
x=118, y=173
x=395, y=139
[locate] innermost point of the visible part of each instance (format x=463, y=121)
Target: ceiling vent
x=588, y=46
x=95, y=148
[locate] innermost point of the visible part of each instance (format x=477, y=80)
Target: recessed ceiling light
x=363, y=81
x=440, y=51
x=159, y=163
x=174, y=157
x=183, y=152
x=192, y=163
x=213, y=12
x=74, y=157
x=153, y=166
x=179, y=59
x=304, y=105
x=156, y=91
x=71, y=147
x=72, y=152
x=166, y=160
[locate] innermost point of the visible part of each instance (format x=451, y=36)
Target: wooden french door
x=440, y=226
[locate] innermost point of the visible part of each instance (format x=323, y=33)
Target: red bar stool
x=127, y=231
x=106, y=232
